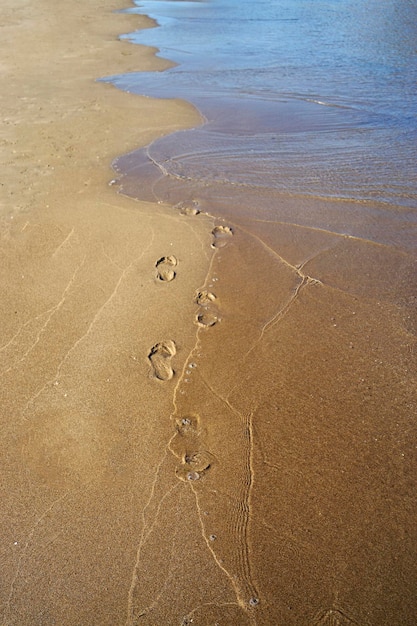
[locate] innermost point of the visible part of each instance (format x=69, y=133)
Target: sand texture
x=203, y=421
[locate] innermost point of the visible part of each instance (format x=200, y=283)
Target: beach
x=207, y=416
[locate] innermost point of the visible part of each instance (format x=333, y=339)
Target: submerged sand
x=202, y=422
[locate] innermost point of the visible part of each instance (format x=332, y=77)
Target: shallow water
x=306, y=98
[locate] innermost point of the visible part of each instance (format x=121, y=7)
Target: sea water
x=301, y=99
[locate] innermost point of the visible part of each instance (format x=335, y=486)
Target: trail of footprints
x=187, y=443
x=161, y=354
x=194, y=462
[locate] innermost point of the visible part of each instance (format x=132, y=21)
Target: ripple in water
x=308, y=99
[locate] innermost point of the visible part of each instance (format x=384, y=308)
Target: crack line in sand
x=245, y=565
x=242, y=601
x=242, y=598
x=224, y=400
x=194, y=348
x=110, y=260
x=331, y=232
x=24, y=550
x=168, y=578
x=146, y=531
x=67, y=238
x=284, y=310
x=297, y=269
x=197, y=236
x=270, y=250
x=280, y=314
x=21, y=329
x=315, y=255
x=239, y=596
x=294, y=268
x=51, y=312
x=215, y=603
x=87, y=332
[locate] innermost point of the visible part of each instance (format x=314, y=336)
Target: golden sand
x=202, y=422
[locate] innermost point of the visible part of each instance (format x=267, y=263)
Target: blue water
x=307, y=97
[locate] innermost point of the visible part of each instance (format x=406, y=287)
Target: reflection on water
x=306, y=97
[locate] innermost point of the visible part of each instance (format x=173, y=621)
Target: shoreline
x=200, y=424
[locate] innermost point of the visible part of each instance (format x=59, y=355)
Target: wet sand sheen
x=204, y=421
x=316, y=486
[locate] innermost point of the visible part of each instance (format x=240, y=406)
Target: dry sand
x=199, y=424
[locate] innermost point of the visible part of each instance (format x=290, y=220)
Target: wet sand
x=204, y=421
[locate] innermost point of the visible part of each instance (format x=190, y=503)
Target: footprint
x=203, y=298
x=187, y=425
x=207, y=318
x=189, y=210
x=160, y=357
x=165, y=268
x=207, y=315
x=222, y=235
x=194, y=465
x=198, y=461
